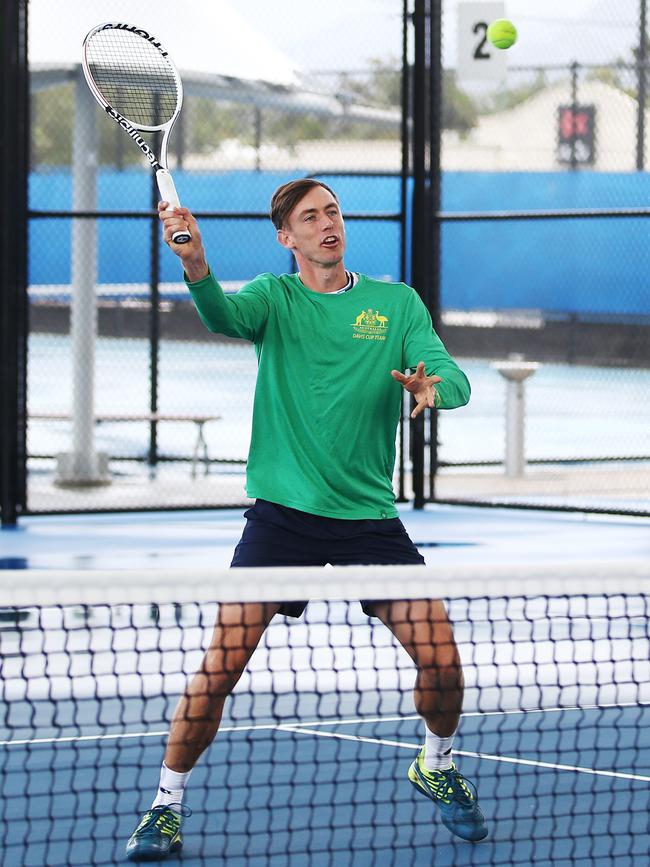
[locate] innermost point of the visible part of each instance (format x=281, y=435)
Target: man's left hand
x=421, y=386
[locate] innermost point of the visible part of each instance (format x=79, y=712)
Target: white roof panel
x=212, y=37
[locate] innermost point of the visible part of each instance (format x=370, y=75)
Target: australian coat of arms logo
x=370, y=325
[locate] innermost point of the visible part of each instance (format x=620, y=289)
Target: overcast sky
x=251, y=36
x=346, y=33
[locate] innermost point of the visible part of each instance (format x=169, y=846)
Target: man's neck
x=323, y=279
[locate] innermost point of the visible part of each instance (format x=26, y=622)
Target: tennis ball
x=502, y=33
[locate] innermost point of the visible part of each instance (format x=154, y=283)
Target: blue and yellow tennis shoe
x=455, y=796
x=157, y=835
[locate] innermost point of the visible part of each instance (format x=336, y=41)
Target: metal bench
x=200, y=444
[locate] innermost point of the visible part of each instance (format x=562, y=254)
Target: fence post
x=642, y=78
x=14, y=135
x=425, y=223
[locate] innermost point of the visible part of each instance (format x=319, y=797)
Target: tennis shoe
x=455, y=796
x=158, y=834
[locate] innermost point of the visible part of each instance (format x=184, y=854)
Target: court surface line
x=310, y=724
x=477, y=713
x=301, y=729
x=508, y=759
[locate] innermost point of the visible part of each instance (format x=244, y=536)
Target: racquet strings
x=133, y=77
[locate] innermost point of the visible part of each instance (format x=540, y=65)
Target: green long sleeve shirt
x=326, y=407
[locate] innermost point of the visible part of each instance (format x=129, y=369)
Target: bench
x=200, y=444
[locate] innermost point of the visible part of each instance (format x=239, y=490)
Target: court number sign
x=477, y=57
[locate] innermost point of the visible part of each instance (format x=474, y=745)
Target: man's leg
x=198, y=713
x=196, y=719
x=421, y=626
x=424, y=631
x=274, y=535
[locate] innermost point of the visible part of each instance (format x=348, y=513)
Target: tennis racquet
x=131, y=76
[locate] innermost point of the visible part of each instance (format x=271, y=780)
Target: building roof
x=525, y=138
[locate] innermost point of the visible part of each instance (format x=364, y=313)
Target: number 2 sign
x=478, y=58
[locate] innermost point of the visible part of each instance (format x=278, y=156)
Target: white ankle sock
x=437, y=751
x=171, y=788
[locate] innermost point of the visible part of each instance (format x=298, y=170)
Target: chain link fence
x=544, y=260
x=112, y=326
x=541, y=271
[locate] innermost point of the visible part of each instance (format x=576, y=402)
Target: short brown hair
x=286, y=197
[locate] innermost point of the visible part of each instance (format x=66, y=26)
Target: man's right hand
x=192, y=254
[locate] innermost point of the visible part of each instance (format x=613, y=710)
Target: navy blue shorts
x=276, y=535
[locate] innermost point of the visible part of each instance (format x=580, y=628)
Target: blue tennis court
x=360, y=809
x=309, y=766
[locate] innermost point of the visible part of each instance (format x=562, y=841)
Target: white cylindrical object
x=515, y=427
x=82, y=466
x=515, y=371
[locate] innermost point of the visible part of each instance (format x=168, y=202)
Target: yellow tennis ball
x=502, y=33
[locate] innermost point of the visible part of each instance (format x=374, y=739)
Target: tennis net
x=310, y=764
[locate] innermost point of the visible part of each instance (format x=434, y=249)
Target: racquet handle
x=169, y=194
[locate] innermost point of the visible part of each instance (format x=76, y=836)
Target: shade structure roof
x=207, y=36
x=215, y=49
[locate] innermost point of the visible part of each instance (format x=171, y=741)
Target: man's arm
x=241, y=315
x=424, y=350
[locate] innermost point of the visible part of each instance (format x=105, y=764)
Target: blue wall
x=584, y=266
x=597, y=266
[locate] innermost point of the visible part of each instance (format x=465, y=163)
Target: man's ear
x=285, y=239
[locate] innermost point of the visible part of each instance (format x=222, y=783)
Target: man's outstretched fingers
x=418, y=409
x=411, y=380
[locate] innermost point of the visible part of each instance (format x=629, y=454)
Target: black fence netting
x=542, y=292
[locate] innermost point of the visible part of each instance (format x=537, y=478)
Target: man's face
x=315, y=230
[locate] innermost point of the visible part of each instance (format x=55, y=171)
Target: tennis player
x=331, y=346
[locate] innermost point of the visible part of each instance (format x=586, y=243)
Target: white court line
x=619, y=775
x=359, y=738
x=478, y=713
x=71, y=739
x=76, y=739
x=307, y=728
x=508, y=759
x=298, y=728
x=309, y=723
